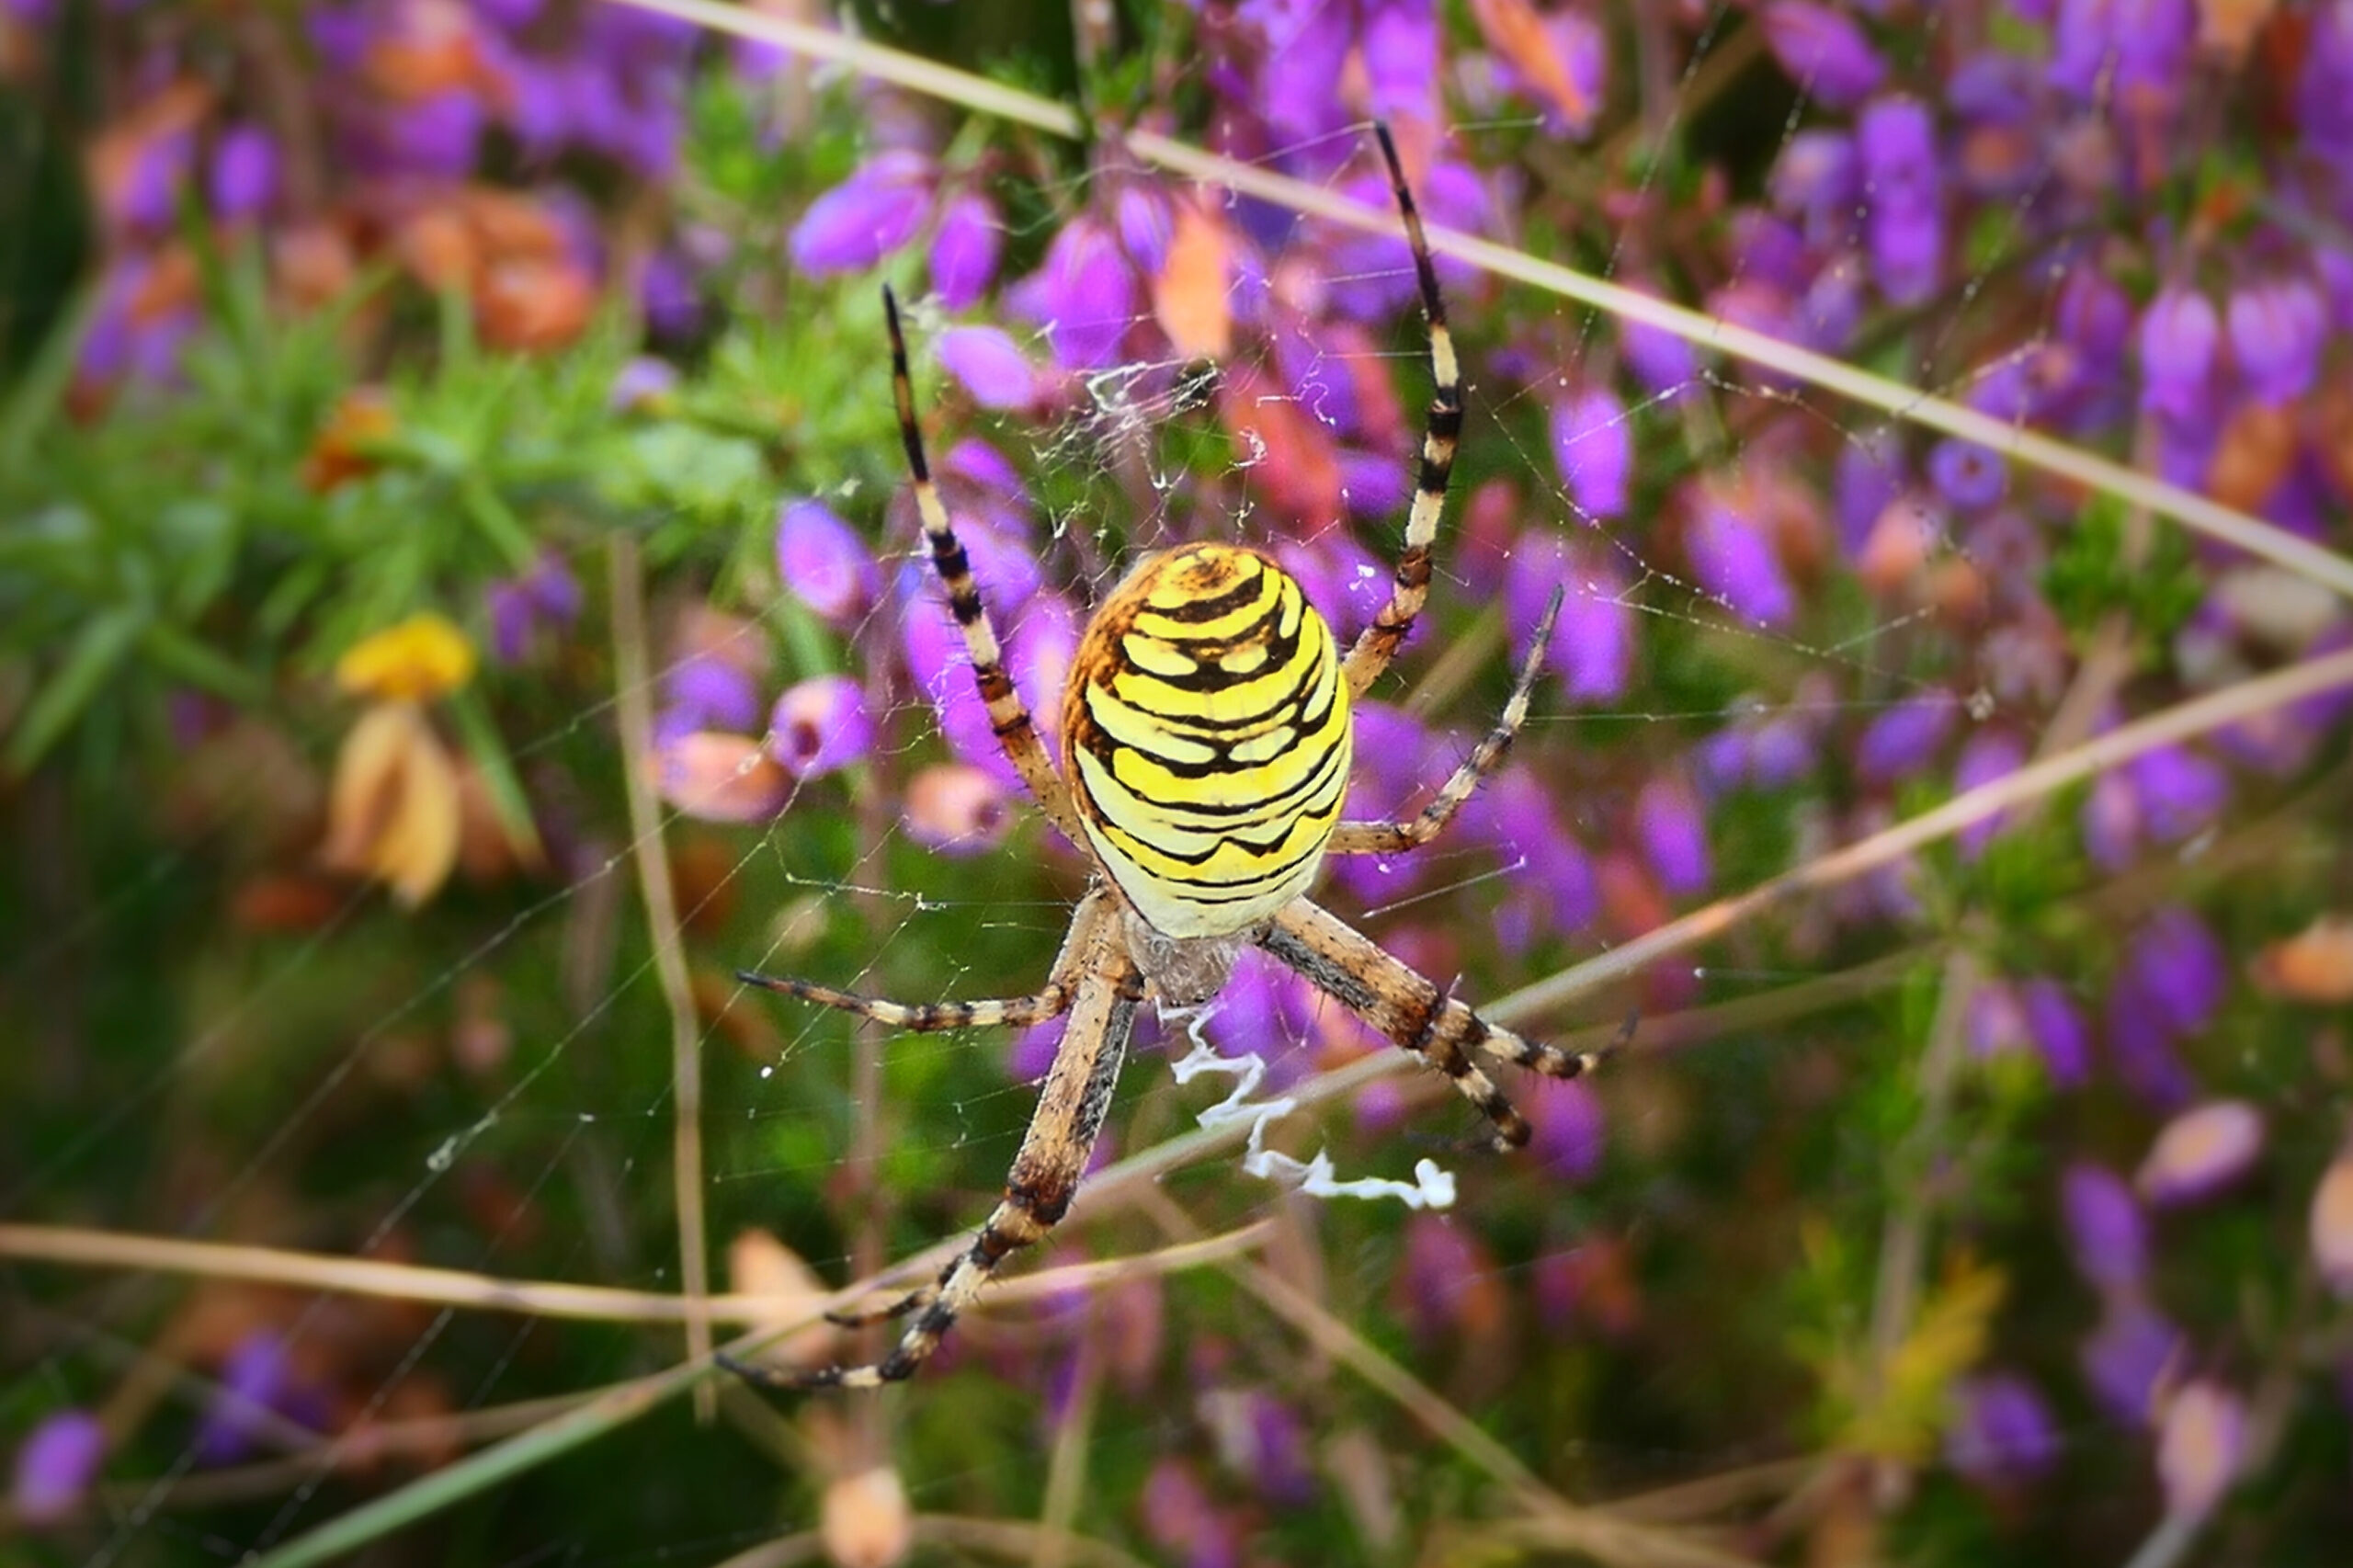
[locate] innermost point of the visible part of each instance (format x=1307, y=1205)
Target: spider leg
x=1046, y=1171
x=1387, y=994
x=1441, y=434
x=1395, y=837
x=1008, y=716
x=924, y=1017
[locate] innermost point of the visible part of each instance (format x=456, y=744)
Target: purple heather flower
x=2201, y=1445
x=245, y=172
x=1671, y=825
x=1402, y=57
x=1272, y=1450
x=2178, y=792
x=1815, y=179
x=1179, y=1517
x=964, y=249
x=1905, y=230
x=1972, y=477
x=2059, y=1030
x=1039, y=642
x=2100, y=46
x=2141, y=1039
x=2110, y=823
x=2176, y=962
x=1991, y=87
x=2105, y=1228
x=2276, y=330
x=1593, y=443
x=1516, y=814
x=1439, y=1278
x=1995, y=1023
x=2179, y=336
x=822, y=563
x=989, y=365
x=1568, y=1133
x=1737, y=564
x=642, y=385
x=866, y=217
x=2126, y=1356
x=704, y=693
x=255, y=1376
x=668, y=297
x=1902, y=741
x=2200, y=1152
x=1824, y=50
x=820, y=725
x=546, y=598
x=1986, y=756
x=1870, y=476
x=1591, y=649
x=438, y=136
x=1267, y=1012
x=956, y=808
x=2002, y=1432
x=59, y=1460
x=1142, y=214
x=1664, y=362
x=2324, y=89
x=1084, y=295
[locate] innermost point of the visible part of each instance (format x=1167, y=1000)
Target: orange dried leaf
x=1515, y=31
x=2313, y=965
x=392, y=815
x=341, y=451
x=1189, y=296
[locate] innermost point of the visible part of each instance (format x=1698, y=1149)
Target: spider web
x=497, y=1097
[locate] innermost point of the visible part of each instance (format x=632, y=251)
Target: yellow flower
x=395, y=812
x=422, y=658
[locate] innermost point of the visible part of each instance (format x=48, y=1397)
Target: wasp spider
x=1206, y=735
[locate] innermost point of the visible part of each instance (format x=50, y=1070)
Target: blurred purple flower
x=955, y=809
x=1084, y=295
x=1439, y=1278
x=1816, y=181
x=547, y=598
x=1179, y=1517
x=2178, y=792
x=1972, y=477
x=989, y=365
x=255, y=1379
x=868, y=216
x=59, y=1459
x=1824, y=50
x=2105, y=1232
x=701, y=692
x=1665, y=363
x=1568, y=1135
x=1142, y=215
x=822, y=563
x=1905, y=740
x=2179, y=336
x=2126, y=1354
x=2176, y=960
x=1267, y=1012
x=245, y=172
x=1738, y=565
x=2201, y=1445
x=1272, y=1450
x=2110, y=823
x=1591, y=649
x=2200, y=1152
x=1870, y=476
x=642, y=385
x=1986, y=756
x=2101, y=47
x=1403, y=56
x=1594, y=445
x=2141, y=1043
x=1902, y=186
x=1671, y=825
x=667, y=294
x=2278, y=328
x=2059, y=1030
x=964, y=249
x=1515, y=813
x=438, y=136
x=2002, y=1432
x=820, y=725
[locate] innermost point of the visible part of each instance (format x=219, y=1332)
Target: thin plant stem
x=633, y=707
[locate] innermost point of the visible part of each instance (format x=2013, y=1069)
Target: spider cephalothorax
x=1206, y=734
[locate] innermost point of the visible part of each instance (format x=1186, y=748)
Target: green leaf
x=101, y=646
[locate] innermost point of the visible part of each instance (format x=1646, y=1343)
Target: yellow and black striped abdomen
x=1206, y=730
